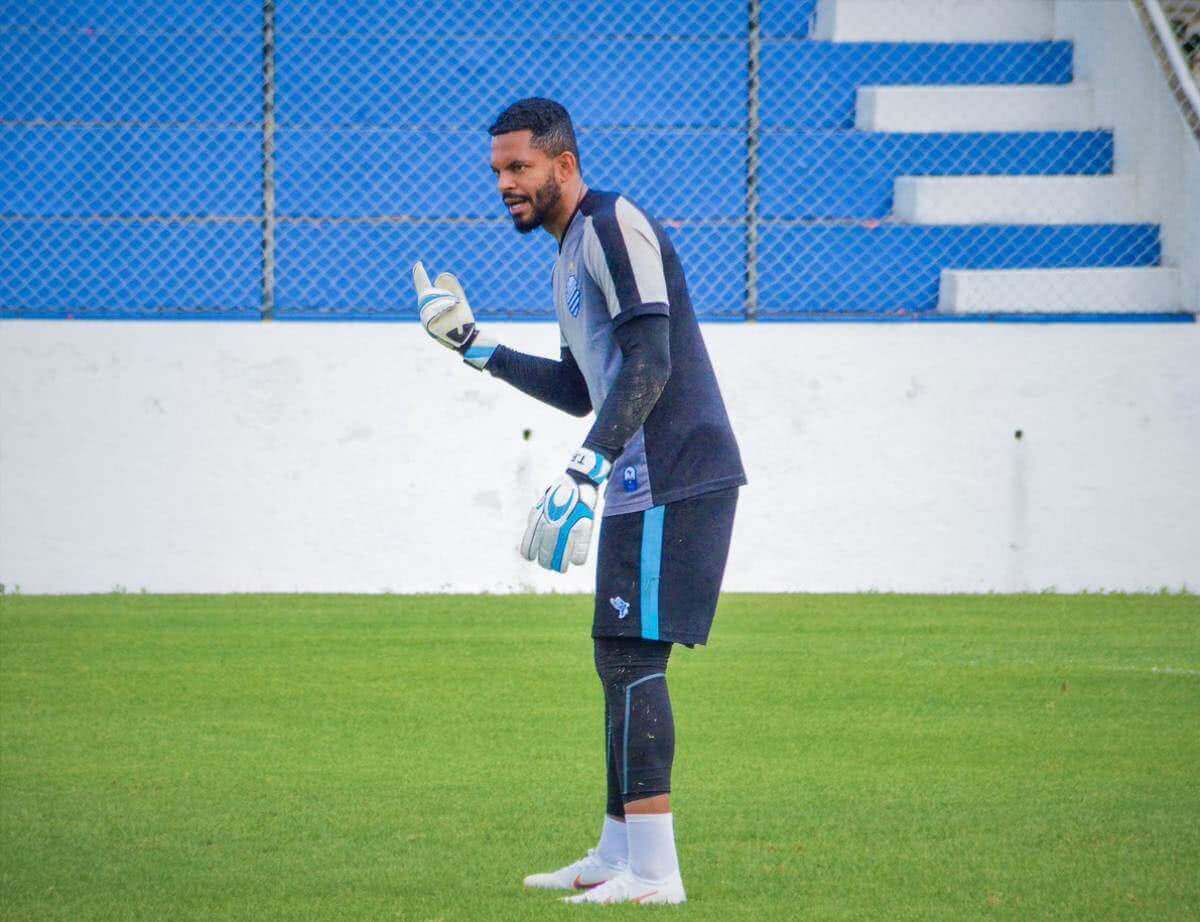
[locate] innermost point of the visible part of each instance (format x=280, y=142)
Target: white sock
x=614, y=843
x=651, y=845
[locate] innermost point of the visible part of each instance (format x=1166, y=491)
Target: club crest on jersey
x=573, y=296
x=620, y=605
x=630, y=479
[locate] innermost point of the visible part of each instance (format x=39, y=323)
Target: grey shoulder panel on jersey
x=621, y=253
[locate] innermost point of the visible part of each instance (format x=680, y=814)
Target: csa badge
x=630, y=479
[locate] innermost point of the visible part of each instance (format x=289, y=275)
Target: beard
x=545, y=199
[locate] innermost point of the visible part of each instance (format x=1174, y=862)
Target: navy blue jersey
x=617, y=263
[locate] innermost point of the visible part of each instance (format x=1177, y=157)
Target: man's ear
x=565, y=166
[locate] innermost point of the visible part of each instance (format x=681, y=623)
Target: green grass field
x=839, y=757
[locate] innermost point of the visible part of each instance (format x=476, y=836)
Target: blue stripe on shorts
x=652, y=540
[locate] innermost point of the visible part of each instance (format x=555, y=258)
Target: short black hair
x=548, y=120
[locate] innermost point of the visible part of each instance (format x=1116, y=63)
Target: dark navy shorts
x=659, y=572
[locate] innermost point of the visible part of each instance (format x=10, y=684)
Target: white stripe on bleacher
x=934, y=20
x=1148, y=290
x=1018, y=200
x=1026, y=107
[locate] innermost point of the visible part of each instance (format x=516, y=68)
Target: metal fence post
x=754, y=46
x=268, y=162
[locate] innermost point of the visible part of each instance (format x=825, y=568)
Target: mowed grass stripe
x=839, y=757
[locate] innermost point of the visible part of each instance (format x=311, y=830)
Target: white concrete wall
x=188, y=457
x=1114, y=55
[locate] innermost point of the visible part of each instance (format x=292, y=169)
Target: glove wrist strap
x=478, y=350
x=589, y=465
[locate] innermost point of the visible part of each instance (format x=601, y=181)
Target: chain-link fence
x=828, y=160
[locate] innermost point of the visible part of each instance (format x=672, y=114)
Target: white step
x=1050, y=291
x=934, y=20
x=1017, y=200
x=1022, y=107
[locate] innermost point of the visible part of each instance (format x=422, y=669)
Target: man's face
x=525, y=178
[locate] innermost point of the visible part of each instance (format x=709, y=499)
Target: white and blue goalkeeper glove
x=447, y=317
x=559, y=531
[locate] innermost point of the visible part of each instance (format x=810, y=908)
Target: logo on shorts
x=573, y=297
x=620, y=605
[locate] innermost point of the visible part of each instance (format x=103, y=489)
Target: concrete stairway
x=1012, y=201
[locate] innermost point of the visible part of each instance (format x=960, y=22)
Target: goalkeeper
x=661, y=447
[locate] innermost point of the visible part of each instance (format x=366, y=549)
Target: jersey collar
x=574, y=214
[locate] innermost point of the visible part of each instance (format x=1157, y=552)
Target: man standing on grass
x=631, y=351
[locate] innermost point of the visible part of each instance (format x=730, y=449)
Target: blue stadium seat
x=812, y=84
x=377, y=81
x=352, y=173
x=150, y=15
x=822, y=173
x=130, y=269
x=484, y=18
x=787, y=18
x=58, y=170
x=357, y=270
x=160, y=78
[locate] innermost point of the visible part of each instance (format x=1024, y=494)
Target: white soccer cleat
x=626, y=888
x=589, y=871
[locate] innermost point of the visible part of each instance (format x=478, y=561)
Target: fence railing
x=1174, y=30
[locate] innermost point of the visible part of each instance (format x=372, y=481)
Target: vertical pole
x=268, y=162
x=753, y=127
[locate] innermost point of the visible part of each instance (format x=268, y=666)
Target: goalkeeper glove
x=559, y=530
x=447, y=317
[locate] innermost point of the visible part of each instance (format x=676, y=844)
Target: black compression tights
x=639, y=728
